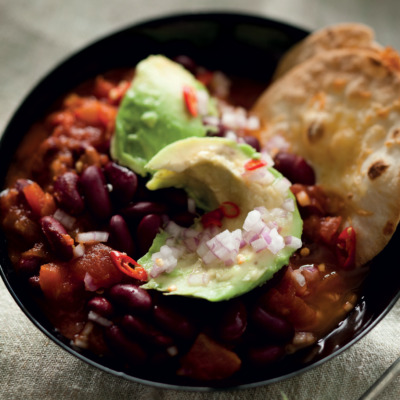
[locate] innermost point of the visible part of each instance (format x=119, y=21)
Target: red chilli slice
x=190, y=97
x=212, y=218
x=123, y=262
x=230, y=209
x=253, y=164
x=346, y=247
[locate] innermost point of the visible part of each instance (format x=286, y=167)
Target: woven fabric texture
x=34, y=37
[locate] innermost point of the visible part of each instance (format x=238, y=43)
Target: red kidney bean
x=184, y=218
x=95, y=191
x=131, y=297
x=253, y=142
x=30, y=265
x=58, y=238
x=272, y=325
x=262, y=356
x=174, y=197
x=147, y=230
x=101, y=306
x=138, y=327
x=120, y=236
x=295, y=168
x=173, y=322
x=124, y=182
x=186, y=62
x=131, y=351
x=142, y=208
x=233, y=322
x=67, y=194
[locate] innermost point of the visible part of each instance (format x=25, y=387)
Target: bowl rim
x=149, y=23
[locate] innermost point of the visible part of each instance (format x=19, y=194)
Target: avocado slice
x=213, y=171
x=153, y=112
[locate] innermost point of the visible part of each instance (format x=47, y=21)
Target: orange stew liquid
x=93, y=296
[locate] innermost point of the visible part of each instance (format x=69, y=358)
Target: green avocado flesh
x=212, y=171
x=153, y=112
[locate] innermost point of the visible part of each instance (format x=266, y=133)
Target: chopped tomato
x=41, y=203
x=322, y=229
x=56, y=283
x=208, y=360
x=96, y=268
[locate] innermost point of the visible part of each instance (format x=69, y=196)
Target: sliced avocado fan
x=153, y=112
x=214, y=172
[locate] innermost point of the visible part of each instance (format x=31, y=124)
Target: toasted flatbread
x=340, y=110
x=350, y=35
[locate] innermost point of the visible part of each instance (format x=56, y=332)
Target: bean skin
x=58, y=238
x=101, y=306
x=96, y=194
x=184, y=218
x=186, y=62
x=295, y=168
x=147, y=230
x=266, y=355
x=124, y=183
x=253, y=142
x=29, y=266
x=173, y=322
x=142, y=208
x=120, y=236
x=139, y=327
x=128, y=349
x=67, y=194
x=234, y=322
x=131, y=297
x=272, y=325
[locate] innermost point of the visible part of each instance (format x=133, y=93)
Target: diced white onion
x=252, y=123
x=288, y=204
x=173, y=229
x=253, y=222
x=299, y=277
x=283, y=185
x=90, y=285
x=277, y=242
x=93, y=316
x=65, y=219
x=79, y=250
x=293, y=242
x=92, y=236
x=202, y=102
x=191, y=205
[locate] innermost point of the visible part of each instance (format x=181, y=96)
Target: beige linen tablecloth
x=34, y=36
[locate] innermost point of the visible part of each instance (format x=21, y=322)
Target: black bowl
x=240, y=45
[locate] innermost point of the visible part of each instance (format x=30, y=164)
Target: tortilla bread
x=350, y=35
x=340, y=110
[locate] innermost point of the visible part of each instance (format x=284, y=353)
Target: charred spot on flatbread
x=352, y=141
x=389, y=228
x=377, y=169
x=315, y=131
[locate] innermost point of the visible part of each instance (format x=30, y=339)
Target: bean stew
x=76, y=221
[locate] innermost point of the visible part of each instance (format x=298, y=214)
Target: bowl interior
x=240, y=45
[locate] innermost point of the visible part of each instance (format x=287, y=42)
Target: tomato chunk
x=208, y=360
